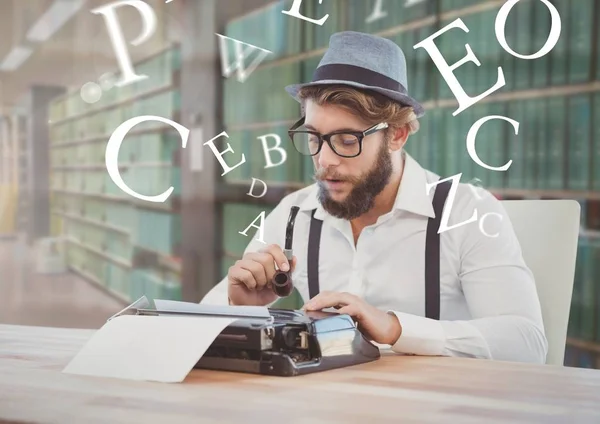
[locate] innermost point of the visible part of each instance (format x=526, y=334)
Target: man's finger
x=257, y=270
x=266, y=260
x=242, y=277
x=278, y=256
x=329, y=299
x=351, y=310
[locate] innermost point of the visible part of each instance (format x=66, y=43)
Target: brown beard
x=365, y=188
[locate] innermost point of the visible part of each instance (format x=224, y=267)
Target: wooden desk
x=393, y=389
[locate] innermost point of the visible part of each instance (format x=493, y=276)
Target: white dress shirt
x=489, y=306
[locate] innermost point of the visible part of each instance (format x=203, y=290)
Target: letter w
x=240, y=56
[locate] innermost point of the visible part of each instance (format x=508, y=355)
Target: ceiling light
x=53, y=19
x=15, y=58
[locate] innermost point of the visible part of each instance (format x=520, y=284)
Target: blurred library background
x=74, y=248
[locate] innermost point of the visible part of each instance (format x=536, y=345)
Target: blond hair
x=367, y=105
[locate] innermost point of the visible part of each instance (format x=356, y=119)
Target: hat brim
x=394, y=95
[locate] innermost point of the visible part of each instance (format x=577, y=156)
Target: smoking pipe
x=282, y=281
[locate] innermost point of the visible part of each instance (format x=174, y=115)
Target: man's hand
x=376, y=324
x=249, y=279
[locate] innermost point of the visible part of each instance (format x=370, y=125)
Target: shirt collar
x=411, y=196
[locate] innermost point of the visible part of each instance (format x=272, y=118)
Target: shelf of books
x=19, y=123
x=126, y=246
x=9, y=174
x=556, y=98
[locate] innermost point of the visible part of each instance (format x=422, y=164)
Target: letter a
x=260, y=228
x=118, y=40
x=240, y=57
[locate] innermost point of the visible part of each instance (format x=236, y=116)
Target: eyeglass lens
x=343, y=144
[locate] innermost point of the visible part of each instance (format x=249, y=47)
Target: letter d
x=254, y=180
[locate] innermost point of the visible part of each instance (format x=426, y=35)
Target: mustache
x=328, y=174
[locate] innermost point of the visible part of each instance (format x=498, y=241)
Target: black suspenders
x=314, y=243
x=432, y=253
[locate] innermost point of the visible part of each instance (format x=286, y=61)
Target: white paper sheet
x=150, y=348
x=241, y=311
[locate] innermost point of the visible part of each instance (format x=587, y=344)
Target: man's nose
x=327, y=157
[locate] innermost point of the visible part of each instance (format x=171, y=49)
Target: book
x=596, y=143
x=495, y=135
x=489, y=52
x=557, y=131
x=541, y=32
x=559, y=54
x=509, y=62
x=435, y=140
x=523, y=44
x=545, y=169
x=529, y=129
x=579, y=153
x=450, y=143
x=515, y=143
x=580, y=40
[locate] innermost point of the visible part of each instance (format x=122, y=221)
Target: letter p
x=118, y=40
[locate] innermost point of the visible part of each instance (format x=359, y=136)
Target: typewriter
x=270, y=341
x=291, y=343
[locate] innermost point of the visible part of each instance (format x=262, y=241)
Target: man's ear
x=398, y=138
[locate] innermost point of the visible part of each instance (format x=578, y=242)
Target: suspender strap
x=432, y=253
x=314, y=242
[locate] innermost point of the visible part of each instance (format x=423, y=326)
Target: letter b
x=267, y=149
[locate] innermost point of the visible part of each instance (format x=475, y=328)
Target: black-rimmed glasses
x=347, y=144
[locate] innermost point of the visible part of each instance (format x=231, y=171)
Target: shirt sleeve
x=500, y=292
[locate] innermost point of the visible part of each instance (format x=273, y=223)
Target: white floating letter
x=473, y=134
x=266, y=149
x=550, y=42
x=114, y=144
x=260, y=228
x=254, y=180
x=116, y=35
x=219, y=155
x=377, y=13
x=295, y=12
x=450, y=201
x=464, y=101
x=240, y=57
x=483, y=219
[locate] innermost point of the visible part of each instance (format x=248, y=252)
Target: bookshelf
x=18, y=131
x=556, y=100
x=8, y=177
x=125, y=246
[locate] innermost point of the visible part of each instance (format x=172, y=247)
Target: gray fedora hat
x=363, y=61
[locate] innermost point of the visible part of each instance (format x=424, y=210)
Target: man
x=365, y=237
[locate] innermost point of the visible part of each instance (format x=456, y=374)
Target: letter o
x=500, y=26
